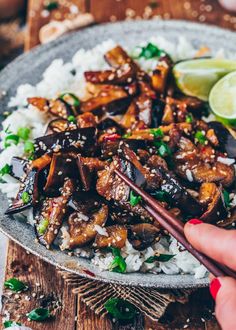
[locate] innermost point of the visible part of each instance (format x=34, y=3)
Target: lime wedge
x=197, y=77
x=222, y=99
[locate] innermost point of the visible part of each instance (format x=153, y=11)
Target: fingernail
x=195, y=221
x=215, y=287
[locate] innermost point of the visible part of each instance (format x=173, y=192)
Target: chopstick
x=175, y=227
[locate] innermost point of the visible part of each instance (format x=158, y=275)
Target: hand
x=220, y=245
x=228, y=4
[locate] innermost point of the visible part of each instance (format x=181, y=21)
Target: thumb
x=223, y=290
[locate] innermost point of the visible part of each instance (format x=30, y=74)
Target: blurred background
x=25, y=24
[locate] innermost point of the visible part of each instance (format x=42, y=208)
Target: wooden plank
x=39, y=16
x=208, y=11
x=46, y=288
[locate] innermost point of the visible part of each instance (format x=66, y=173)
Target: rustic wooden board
x=51, y=287
x=49, y=284
x=205, y=11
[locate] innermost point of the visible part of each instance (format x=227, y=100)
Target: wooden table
x=47, y=284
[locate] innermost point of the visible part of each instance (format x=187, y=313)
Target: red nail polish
x=215, y=287
x=195, y=221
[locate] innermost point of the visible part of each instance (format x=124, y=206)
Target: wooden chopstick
x=175, y=228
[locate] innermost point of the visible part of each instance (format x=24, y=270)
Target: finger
x=223, y=290
x=217, y=243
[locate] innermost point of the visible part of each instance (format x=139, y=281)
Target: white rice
x=58, y=78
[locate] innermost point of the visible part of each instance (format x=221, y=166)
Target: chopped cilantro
x=226, y=198
x=120, y=309
x=25, y=197
x=24, y=133
x=157, y=133
x=189, y=118
x=118, y=264
x=5, y=170
x=15, y=285
x=200, y=137
x=160, y=258
x=134, y=199
x=39, y=314
x=151, y=51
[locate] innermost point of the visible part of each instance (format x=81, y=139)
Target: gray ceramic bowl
x=28, y=68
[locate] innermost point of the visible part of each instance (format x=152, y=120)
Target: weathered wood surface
x=204, y=11
x=49, y=284
x=49, y=287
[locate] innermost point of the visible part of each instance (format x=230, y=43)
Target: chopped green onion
x=15, y=285
x=157, y=132
x=161, y=196
x=51, y=5
x=163, y=148
x=25, y=197
x=72, y=119
x=43, y=226
x=160, y=258
x=134, y=199
x=5, y=170
x=39, y=314
x=11, y=139
x=226, y=198
x=120, y=309
x=118, y=264
x=200, y=137
x=8, y=324
x=7, y=129
x=24, y=133
x=29, y=147
x=189, y=118
x=71, y=99
x=127, y=135
x=151, y=51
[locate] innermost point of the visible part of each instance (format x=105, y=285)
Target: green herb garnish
x=43, y=226
x=151, y=51
x=157, y=133
x=29, y=147
x=11, y=139
x=8, y=324
x=118, y=264
x=226, y=198
x=126, y=136
x=134, y=199
x=160, y=258
x=39, y=314
x=72, y=119
x=15, y=285
x=120, y=309
x=24, y=133
x=162, y=148
x=161, y=196
x=189, y=118
x=200, y=137
x=5, y=170
x=70, y=98
x=25, y=197
x=51, y=5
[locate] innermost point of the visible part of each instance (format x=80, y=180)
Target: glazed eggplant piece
x=61, y=109
x=81, y=140
x=40, y=103
x=175, y=111
x=125, y=74
x=29, y=192
x=142, y=235
x=50, y=214
x=84, y=231
x=130, y=118
x=62, y=166
x=19, y=167
x=86, y=119
x=88, y=168
x=113, y=99
x=118, y=57
x=161, y=74
x=227, y=142
x=59, y=125
x=211, y=197
x=116, y=236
